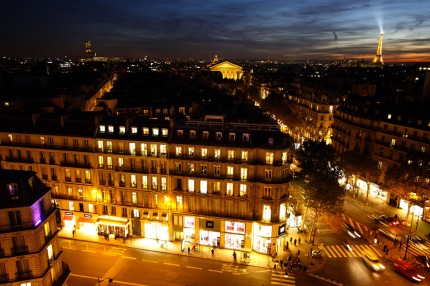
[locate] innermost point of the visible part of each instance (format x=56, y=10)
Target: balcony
x=4, y=278
x=23, y=275
x=19, y=160
x=19, y=250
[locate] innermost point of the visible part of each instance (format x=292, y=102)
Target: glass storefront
x=189, y=228
x=234, y=235
x=209, y=237
x=262, y=238
x=156, y=230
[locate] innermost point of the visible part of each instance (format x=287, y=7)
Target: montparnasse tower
x=378, y=57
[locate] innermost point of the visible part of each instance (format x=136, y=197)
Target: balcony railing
x=4, y=278
x=23, y=274
x=18, y=250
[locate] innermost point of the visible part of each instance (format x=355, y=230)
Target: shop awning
x=68, y=217
x=122, y=222
x=86, y=220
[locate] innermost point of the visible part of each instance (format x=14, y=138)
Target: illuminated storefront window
x=234, y=235
x=189, y=227
x=262, y=238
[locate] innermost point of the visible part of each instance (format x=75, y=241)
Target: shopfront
x=87, y=224
x=234, y=235
x=262, y=238
x=294, y=218
x=281, y=238
x=189, y=228
x=209, y=232
x=374, y=190
x=156, y=230
x=113, y=225
x=69, y=220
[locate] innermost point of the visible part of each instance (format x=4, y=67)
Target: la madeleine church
x=227, y=69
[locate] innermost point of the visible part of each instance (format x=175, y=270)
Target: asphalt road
x=88, y=261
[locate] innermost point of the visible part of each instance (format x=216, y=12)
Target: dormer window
x=122, y=130
x=110, y=128
x=145, y=131
x=102, y=129
x=245, y=137
x=12, y=191
x=193, y=134
x=155, y=132
x=134, y=130
x=205, y=135
x=218, y=136
x=232, y=136
x=270, y=141
x=180, y=132
x=389, y=116
x=164, y=132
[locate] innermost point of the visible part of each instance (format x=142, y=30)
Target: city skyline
x=295, y=30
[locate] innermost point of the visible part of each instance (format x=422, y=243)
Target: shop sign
x=189, y=222
x=237, y=227
x=209, y=224
x=281, y=229
x=68, y=213
x=88, y=215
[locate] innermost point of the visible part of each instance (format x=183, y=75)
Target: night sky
x=232, y=29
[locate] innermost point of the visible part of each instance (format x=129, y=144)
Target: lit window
x=230, y=154
x=155, y=132
x=204, y=187
x=71, y=206
x=163, y=183
x=164, y=132
x=244, y=156
x=267, y=213
x=191, y=151
x=204, y=152
x=269, y=158
x=389, y=116
x=230, y=170
x=229, y=189
x=217, y=153
x=145, y=131
x=110, y=129
x=42, y=140
x=154, y=183
x=154, y=150
x=191, y=168
x=122, y=130
x=102, y=129
x=178, y=151
x=243, y=173
x=282, y=212
x=191, y=185
x=163, y=149
x=192, y=134
x=133, y=181
x=245, y=137
x=242, y=191
x=144, y=182
x=205, y=135
x=133, y=130
x=218, y=136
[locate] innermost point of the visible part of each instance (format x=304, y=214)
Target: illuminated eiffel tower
x=378, y=57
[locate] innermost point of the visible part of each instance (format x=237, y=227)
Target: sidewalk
x=204, y=252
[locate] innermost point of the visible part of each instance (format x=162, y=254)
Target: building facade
x=30, y=251
x=201, y=182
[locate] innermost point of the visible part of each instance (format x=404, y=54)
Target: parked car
x=372, y=261
x=407, y=270
x=350, y=230
x=388, y=233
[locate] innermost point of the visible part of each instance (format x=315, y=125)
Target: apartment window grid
x=244, y=156
x=230, y=154
x=230, y=171
x=269, y=158
x=268, y=174
x=267, y=193
x=203, y=169
x=229, y=189
x=242, y=190
x=217, y=169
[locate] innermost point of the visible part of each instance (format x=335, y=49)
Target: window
x=284, y=158
x=267, y=192
x=232, y=136
x=163, y=183
x=154, y=183
x=204, y=187
x=179, y=202
x=217, y=153
x=155, y=132
x=267, y=213
x=13, y=191
x=80, y=193
x=217, y=170
x=133, y=181
x=109, y=146
x=269, y=158
x=110, y=129
x=244, y=156
x=217, y=187
x=191, y=168
x=134, y=130
x=192, y=134
x=245, y=137
x=178, y=167
x=178, y=151
x=180, y=133
x=145, y=131
x=242, y=190
x=132, y=147
x=154, y=150
x=204, y=152
x=122, y=130
x=100, y=145
x=134, y=197
x=268, y=174
x=218, y=136
x=15, y=218
x=144, y=182
x=102, y=129
x=230, y=154
x=164, y=132
x=393, y=142
x=205, y=135
x=191, y=151
x=243, y=173
x=230, y=171
x=120, y=162
x=191, y=185
x=229, y=189
x=203, y=169
x=136, y=213
x=71, y=206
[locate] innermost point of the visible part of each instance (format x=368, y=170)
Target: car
x=350, y=230
x=424, y=260
x=388, y=220
x=347, y=245
x=388, y=233
x=407, y=270
x=372, y=261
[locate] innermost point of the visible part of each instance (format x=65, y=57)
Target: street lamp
x=101, y=280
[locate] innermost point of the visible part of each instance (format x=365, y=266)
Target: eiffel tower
x=378, y=57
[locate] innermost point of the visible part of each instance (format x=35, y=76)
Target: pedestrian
x=287, y=245
x=298, y=252
x=281, y=263
x=295, y=242
x=74, y=230
x=212, y=251
x=291, y=239
x=234, y=256
x=305, y=268
x=300, y=240
x=400, y=245
x=189, y=250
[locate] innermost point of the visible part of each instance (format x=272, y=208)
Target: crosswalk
x=228, y=267
x=419, y=249
x=278, y=278
x=358, y=250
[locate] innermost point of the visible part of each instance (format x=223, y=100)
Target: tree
x=356, y=165
x=318, y=178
